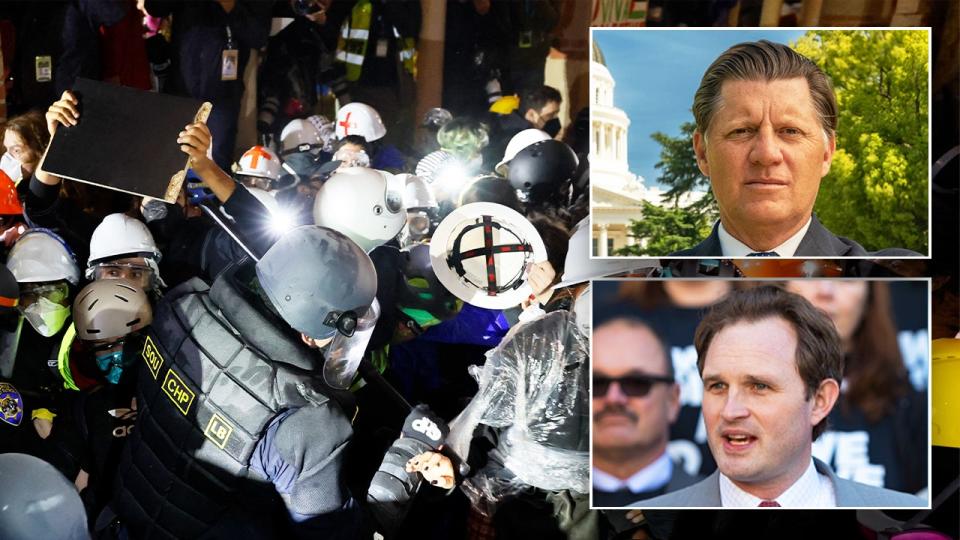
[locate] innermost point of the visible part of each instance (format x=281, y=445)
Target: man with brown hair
x=766, y=133
x=771, y=366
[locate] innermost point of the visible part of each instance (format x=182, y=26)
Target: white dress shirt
x=653, y=476
x=731, y=247
x=811, y=490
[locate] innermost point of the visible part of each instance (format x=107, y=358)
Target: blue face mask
x=112, y=364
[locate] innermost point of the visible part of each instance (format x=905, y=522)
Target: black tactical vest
x=205, y=395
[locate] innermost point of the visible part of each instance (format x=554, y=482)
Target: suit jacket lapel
x=710, y=247
x=679, y=479
x=819, y=242
x=711, y=490
x=845, y=492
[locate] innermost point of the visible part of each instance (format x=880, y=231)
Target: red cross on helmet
x=360, y=119
x=481, y=253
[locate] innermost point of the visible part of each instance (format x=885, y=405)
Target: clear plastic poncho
x=534, y=387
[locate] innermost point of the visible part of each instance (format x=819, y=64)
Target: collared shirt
x=651, y=477
x=811, y=490
x=731, y=247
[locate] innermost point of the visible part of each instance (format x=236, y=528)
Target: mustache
x=615, y=410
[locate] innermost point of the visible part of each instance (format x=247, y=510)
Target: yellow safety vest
x=63, y=358
x=354, y=35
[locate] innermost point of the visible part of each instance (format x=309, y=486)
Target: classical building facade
x=616, y=193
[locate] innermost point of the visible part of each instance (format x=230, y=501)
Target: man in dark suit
x=771, y=365
x=635, y=399
x=818, y=241
x=766, y=133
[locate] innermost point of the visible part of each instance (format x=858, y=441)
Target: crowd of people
x=329, y=335
x=343, y=331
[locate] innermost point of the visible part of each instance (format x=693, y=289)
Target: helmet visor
x=349, y=157
x=139, y=274
x=30, y=293
x=258, y=182
x=419, y=224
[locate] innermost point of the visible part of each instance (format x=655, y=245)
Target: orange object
x=9, y=201
x=759, y=267
x=256, y=153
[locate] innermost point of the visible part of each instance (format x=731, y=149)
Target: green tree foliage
x=877, y=190
x=665, y=229
x=668, y=228
x=680, y=171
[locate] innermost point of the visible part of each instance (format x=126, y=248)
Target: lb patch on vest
x=11, y=404
x=178, y=392
x=151, y=355
x=218, y=430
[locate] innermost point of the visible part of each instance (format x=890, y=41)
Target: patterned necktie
x=763, y=254
x=769, y=504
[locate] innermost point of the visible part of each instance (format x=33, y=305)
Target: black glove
x=425, y=426
x=393, y=488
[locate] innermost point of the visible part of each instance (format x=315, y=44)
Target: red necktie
x=769, y=504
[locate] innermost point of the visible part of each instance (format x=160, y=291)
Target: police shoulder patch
x=151, y=355
x=218, y=430
x=11, y=404
x=179, y=393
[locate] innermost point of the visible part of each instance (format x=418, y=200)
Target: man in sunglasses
x=635, y=399
x=771, y=365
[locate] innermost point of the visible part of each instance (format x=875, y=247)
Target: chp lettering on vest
x=178, y=391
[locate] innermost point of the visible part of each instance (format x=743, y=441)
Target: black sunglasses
x=631, y=385
x=345, y=322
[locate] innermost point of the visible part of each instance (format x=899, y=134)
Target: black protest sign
x=126, y=139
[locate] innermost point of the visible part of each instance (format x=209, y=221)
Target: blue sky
x=657, y=73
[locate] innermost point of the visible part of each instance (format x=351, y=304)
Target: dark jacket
x=502, y=128
x=199, y=35
x=297, y=63
x=387, y=15
x=678, y=479
x=706, y=493
x=67, y=32
x=818, y=242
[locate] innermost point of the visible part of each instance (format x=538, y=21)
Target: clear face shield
x=351, y=157
x=285, y=181
x=258, y=182
x=45, y=306
x=346, y=350
x=419, y=223
x=418, y=229
x=141, y=275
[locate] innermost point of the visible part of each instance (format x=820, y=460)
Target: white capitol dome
x=616, y=193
